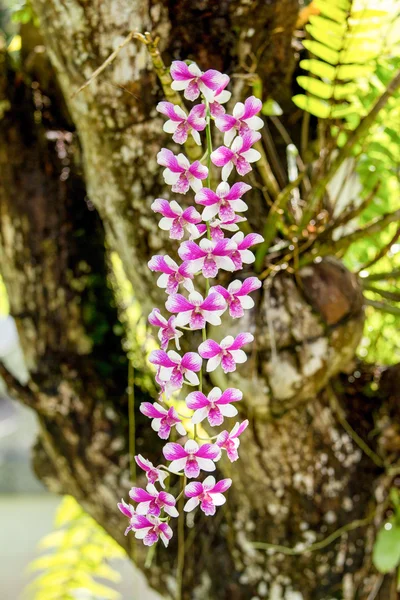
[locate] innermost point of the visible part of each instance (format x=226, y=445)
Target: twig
x=181, y=543
x=271, y=222
x=109, y=60
x=381, y=252
x=346, y=150
x=273, y=156
x=318, y=545
x=377, y=586
x=352, y=213
x=383, y=275
x=288, y=140
x=265, y=171
x=393, y=296
x=382, y=306
x=131, y=419
x=338, y=410
x=344, y=242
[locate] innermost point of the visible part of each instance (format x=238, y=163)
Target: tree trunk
x=301, y=476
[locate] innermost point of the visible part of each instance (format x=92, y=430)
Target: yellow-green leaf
x=318, y=67
x=316, y=86
x=327, y=25
x=327, y=54
x=313, y=105
x=353, y=71
x=329, y=39
x=331, y=11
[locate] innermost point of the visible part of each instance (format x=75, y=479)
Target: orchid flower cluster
x=189, y=309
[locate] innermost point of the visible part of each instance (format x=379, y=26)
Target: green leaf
x=316, y=86
x=386, y=552
x=319, y=68
x=327, y=54
x=328, y=26
x=313, y=105
x=353, y=71
x=271, y=108
x=328, y=38
x=333, y=12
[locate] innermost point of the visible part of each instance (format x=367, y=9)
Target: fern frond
x=76, y=554
x=346, y=41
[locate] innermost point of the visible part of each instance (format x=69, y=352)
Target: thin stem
x=318, y=545
x=131, y=419
x=350, y=431
x=181, y=542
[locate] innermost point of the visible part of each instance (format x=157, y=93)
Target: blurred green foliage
x=76, y=555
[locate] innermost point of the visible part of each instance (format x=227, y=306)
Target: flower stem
x=209, y=152
x=131, y=420
x=181, y=542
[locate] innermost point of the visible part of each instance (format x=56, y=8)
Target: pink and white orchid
x=236, y=295
x=230, y=441
x=192, y=458
x=191, y=80
x=196, y=311
x=225, y=202
x=217, y=226
x=180, y=173
x=189, y=309
x=167, y=331
x=242, y=255
x=129, y=511
x=215, y=406
x=239, y=155
x=174, y=369
x=162, y=419
x=227, y=354
x=221, y=96
x=209, y=256
x=208, y=494
x=175, y=219
x=172, y=275
x=152, y=502
x=180, y=124
x=150, y=528
x=153, y=474
x=243, y=119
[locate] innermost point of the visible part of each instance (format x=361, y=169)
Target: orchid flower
x=129, y=511
x=175, y=368
x=243, y=119
x=167, y=329
x=209, y=256
x=239, y=155
x=180, y=173
x=242, y=254
x=208, y=494
x=215, y=406
x=189, y=309
x=172, y=275
x=191, y=80
x=227, y=354
x=221, y=96
x=175, y=219
x=162, y=420
x=180, y=124
x=224, y=202
x=152, y=473
x=152, y=502
x=216, y=227
x=192, y=458
x=150, y=528
x=236, y=295
x=230, y=441
x=195, y=311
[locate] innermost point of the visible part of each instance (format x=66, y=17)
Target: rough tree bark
x=302, y=476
